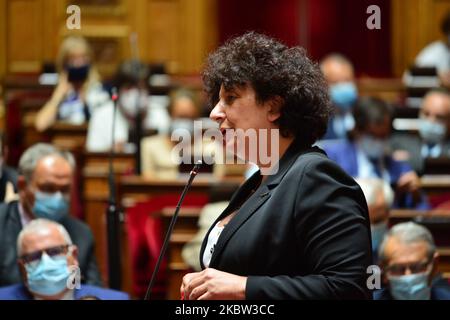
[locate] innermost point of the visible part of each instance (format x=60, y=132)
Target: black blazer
x=10, y=226
x=304, y=233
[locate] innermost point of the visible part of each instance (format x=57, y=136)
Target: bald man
x=339, y=74
x=434, y=127
x=44, y=183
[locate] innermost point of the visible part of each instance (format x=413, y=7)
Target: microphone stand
x=113, y=215
x=192, y=175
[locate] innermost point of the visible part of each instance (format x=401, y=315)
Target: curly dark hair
x=273, y=69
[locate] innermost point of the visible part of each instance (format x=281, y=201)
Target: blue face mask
x=52, y=206
x=49, y=276
x=432, y=132
x=378, y=231
x=343, y=95
x=410, y=287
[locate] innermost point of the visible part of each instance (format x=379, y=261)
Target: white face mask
x=133, y=99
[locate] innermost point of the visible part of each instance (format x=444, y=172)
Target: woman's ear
x=275, y=104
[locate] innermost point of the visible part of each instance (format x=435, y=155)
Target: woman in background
x=79, y=90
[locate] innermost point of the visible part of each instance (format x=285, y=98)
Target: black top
x=304, y=233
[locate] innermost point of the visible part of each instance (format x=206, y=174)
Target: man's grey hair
x=30, y=158
x=41, y=226
x=371, y=187
x=408, y=233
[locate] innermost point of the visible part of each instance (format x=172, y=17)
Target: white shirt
x=99, y=135
x=436, y=54
x=24, y=218
x=211, y=245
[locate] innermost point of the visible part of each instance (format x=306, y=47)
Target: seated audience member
x=434, y=132
x=8, y=175
x=78, y=91
x=156, y=151
x=379, y=197
x=48, y=263
x=339, y=74
x=132, y=83
x=191, y=250
x=44, y=183
x=367, y=154
x=408, y=259
x=437, y=54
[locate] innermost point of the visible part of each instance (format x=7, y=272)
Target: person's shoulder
x=435, y=46
x=381, y=294
x=100, y=293
x=14, y=292
x=315, y=160
x=335, y=145
x=7, y=208
x=433, y=51
x=440, y=289
x=75, y=225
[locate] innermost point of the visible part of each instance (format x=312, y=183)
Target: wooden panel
x=415, y=23
x=2, y=39
x=164, y=32
x=177, y=32
x=24, y=26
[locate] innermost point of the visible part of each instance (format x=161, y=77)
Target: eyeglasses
x=51, y=252
x=400, y=269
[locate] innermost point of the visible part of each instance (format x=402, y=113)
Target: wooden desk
x=435, y=184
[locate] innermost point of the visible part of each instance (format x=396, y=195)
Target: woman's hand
x=212, y=284
x=62, y=88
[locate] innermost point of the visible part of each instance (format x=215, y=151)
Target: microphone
x=192, y=175
x=113, y=216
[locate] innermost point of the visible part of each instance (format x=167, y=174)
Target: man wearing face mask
x=48, y=264
x=44, y=183
x=379, y=197
x=339, y=74
x=434, y=127
x=131, y=82
x=408, y=259
x=156, y=155
x=367, y=153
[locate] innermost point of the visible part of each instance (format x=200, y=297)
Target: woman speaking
x=298, y=232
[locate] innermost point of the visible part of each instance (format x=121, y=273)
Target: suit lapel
x=243, y=214
x=252, y=204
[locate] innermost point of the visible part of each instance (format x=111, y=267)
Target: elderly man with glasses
x=48, y=264
x=408, y=258
x=44, y=183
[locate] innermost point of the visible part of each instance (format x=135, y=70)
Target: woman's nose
x=217, y=114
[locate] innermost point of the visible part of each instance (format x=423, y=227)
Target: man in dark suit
x=433, y=140
x=8, y=175
x=44, y=183
x=409, y=260
x=49, y=267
